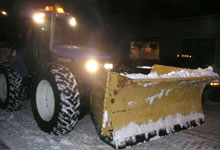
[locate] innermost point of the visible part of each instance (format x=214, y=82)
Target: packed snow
x=174, y=74
x=18, y=131
x=167, y=123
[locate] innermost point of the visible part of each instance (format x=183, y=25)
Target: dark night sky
x=164, y=8
x=95, y=12
x=96, y=15
x=152, y=9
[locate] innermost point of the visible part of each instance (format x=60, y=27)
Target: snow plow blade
x=128, y=110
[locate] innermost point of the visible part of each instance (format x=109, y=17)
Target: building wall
x=170, y=32
x=185, y=27
x=168, y=49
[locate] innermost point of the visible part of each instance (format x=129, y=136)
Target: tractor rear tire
x=55, y=101
x=10, y=88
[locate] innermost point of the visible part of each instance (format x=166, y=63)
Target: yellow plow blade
x=128, y=111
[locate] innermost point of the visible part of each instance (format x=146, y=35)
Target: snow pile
x=204, y=72
x=174, y=74
x=132, y=129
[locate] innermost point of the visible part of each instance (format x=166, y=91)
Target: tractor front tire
x=10, y=88
x=55, y=101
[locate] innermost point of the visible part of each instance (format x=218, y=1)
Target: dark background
x=150, y=9
x=111, y=25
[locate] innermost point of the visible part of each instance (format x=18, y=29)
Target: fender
x=18, y=63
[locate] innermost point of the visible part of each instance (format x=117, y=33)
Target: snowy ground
x=18, y=131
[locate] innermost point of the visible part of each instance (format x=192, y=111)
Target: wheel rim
x=45, y=100
x=3, y=88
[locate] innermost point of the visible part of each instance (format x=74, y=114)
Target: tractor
x=48, y=65
x=66, y=81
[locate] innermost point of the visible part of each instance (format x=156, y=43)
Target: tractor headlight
x=72, y=22
x=39, y=18
x=108, y=66
x=92, y=66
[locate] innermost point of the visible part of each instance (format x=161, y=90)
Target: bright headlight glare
x=92, y=66
x=39, y=17
x=108, y=66
x=72, y=22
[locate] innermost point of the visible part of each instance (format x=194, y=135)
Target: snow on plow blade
x=133, y=108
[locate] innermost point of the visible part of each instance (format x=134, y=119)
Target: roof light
x=49, y=8
x=60, y=10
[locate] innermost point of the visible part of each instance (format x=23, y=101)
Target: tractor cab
x=50, y=35
x=38, y=35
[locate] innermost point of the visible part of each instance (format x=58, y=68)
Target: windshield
x=64, y=32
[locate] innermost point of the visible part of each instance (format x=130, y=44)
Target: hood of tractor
x=79, y=53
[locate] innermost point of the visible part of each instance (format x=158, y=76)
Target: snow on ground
x=174, y=74
x=18, y=131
